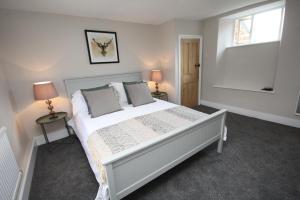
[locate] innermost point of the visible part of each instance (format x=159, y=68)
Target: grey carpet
x=260, y=160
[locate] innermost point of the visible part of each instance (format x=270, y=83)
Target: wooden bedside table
x=48, y=120
x=160, y=95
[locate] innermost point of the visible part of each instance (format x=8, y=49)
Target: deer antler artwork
x=103, y=46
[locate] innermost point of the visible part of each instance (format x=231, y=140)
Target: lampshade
x=44, y=90
x=156, y=75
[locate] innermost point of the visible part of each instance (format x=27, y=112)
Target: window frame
x=252, y=17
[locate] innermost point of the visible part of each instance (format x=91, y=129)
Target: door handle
x=197, y=65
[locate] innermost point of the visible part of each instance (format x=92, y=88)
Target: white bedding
x=86, y=125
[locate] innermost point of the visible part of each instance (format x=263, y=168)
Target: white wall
x=19, y=141
x=247, y=67
x=287, y=84
x=225, y=37
x=251, y=66
x=36, y=47
x=167, y=45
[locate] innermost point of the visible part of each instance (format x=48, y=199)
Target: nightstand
x=160, y=95
x=48, y=119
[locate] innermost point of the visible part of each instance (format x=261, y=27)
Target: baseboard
x=28, y=174
x=57, y=135
x=256, y=114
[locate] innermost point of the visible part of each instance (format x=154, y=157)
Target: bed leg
x=220, y=145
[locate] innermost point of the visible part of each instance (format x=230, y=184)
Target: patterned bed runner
x=124, y=135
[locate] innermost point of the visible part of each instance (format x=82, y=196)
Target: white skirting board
x=256, y=114
x=56, y=135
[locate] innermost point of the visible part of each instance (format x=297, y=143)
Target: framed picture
x=298, y=105
x=102, y=46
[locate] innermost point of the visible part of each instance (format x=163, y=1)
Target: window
x=260, y=27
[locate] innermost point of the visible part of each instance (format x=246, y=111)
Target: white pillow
x=121, y=93
x=78, y=103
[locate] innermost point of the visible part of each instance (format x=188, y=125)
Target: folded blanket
x=127, y=134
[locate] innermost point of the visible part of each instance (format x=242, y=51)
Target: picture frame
x=298, y=105
x=102, y=46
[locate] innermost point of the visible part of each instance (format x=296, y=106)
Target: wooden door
x=190, y=72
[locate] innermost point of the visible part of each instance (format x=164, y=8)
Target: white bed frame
x=130, y=169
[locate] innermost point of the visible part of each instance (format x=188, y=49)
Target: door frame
x=178, y=65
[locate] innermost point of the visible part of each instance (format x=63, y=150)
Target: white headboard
x=74, y=84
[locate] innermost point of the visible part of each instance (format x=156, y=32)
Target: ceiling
x=140, y=11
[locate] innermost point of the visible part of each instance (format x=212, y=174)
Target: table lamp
x=156, y=76
x=45, y=91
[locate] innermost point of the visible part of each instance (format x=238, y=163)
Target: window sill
x=243, y=89
x=260, y=43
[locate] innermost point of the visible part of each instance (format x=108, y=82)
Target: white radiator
x=10, y=174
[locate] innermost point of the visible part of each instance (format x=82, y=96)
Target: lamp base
x=156, y=87
x=50, y=108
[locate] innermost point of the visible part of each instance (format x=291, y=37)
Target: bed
x=147, y=160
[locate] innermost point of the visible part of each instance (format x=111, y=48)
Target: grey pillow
x=139, y=94
x=96, y=88
x=129, y=83
x=101, y=101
